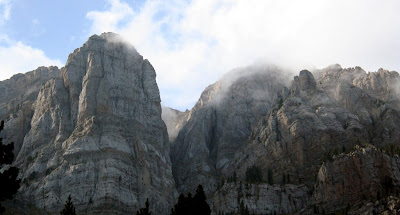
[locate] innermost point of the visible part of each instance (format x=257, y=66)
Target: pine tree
x=200, y=201
x=69, y=208
x=9, y=184
x=145, y=210
x=196, y=205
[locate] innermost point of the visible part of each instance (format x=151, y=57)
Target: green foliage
x=9, y=184
x=196, y=205
x=254, y=174
x=145, y=210
x=69, y=208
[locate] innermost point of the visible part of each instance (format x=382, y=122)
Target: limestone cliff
x=17, y=97
x=96, y=134
x=355, y=179
x=220, y=123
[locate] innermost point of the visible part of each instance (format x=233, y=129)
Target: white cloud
x=5, y=8
x=16, y=57
x=191, y=44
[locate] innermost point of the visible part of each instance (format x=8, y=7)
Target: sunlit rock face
x=220, y=123
x=17, y=97
x=97, y=134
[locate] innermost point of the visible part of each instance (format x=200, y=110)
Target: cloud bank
x=16, y=57
x=192, y=43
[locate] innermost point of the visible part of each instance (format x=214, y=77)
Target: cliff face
x=220, y=123
x=96, y=134
x=261, y=198
x=299, y=133
x=353, y=180
x=17, y=97
x=292, y=131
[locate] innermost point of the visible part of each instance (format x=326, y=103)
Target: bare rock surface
x=220, y=123
x=305, y=128
x=17, y=97
x=261, y=198
x=362, y=181
x=97, y=134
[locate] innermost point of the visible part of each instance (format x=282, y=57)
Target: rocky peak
x=97, y=134
x=220, y=124
x=305, y=82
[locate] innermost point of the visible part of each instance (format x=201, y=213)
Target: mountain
x=291, y=131
x=321, y=141
x=220, y=123
x=96, y=133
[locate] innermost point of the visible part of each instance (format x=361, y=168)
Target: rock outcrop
x=220, y=123
x=301, y=127
x=96, y=134
x=354, y=179
x=261, y=198
x=305, y=128
x=17, y=96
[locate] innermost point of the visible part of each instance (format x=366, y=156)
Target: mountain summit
x=96, y=134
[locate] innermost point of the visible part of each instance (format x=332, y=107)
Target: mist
x=192, y=44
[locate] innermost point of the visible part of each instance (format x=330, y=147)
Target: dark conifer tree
x=9, y=184
x=200, y=202
x=145, y=210
x=69, y=208
x=196, y=205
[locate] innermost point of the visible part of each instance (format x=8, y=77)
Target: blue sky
x=192, y=43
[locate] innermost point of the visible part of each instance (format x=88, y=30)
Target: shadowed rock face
x=353, y=179
x=97, y=134
x=261, y=198
x=300, y=127
x=220, y=123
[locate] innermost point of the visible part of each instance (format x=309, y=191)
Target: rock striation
x=297, y=128
x=354, y=179
x=261, y=198
x=17, y=97
x=220, y=123
x=96, y=134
